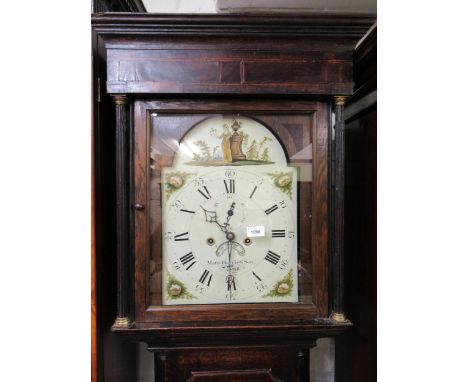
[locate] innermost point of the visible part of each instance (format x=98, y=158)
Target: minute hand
x=230, y=213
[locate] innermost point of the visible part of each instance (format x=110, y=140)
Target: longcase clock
x=229, y=187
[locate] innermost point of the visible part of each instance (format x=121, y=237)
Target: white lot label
x=256, y=231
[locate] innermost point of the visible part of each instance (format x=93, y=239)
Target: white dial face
x=229, y=236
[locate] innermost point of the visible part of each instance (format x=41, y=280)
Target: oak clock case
x=220, y=284
x=231, y=210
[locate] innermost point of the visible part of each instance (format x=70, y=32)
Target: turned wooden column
x=338, y=252
x=123, y=319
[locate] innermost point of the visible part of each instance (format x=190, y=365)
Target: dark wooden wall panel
x=356, y=350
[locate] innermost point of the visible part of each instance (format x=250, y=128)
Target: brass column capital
x=120, y=99
x=338, y=317
x=340, y=100
x=122, y=323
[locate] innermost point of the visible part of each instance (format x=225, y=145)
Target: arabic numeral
x=231, y=295
x=260, y=286
x=291, y=234
x=283, y=264
x=177, y=266
x=200, y=288
x=230, y=174
x=200, y=182
x=169, y=235
x=178, y=204
x=282, y=204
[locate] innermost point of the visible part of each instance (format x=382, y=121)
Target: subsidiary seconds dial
x=230, y=237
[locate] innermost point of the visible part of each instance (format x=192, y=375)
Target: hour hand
x=230, y=213
x=211, y=217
